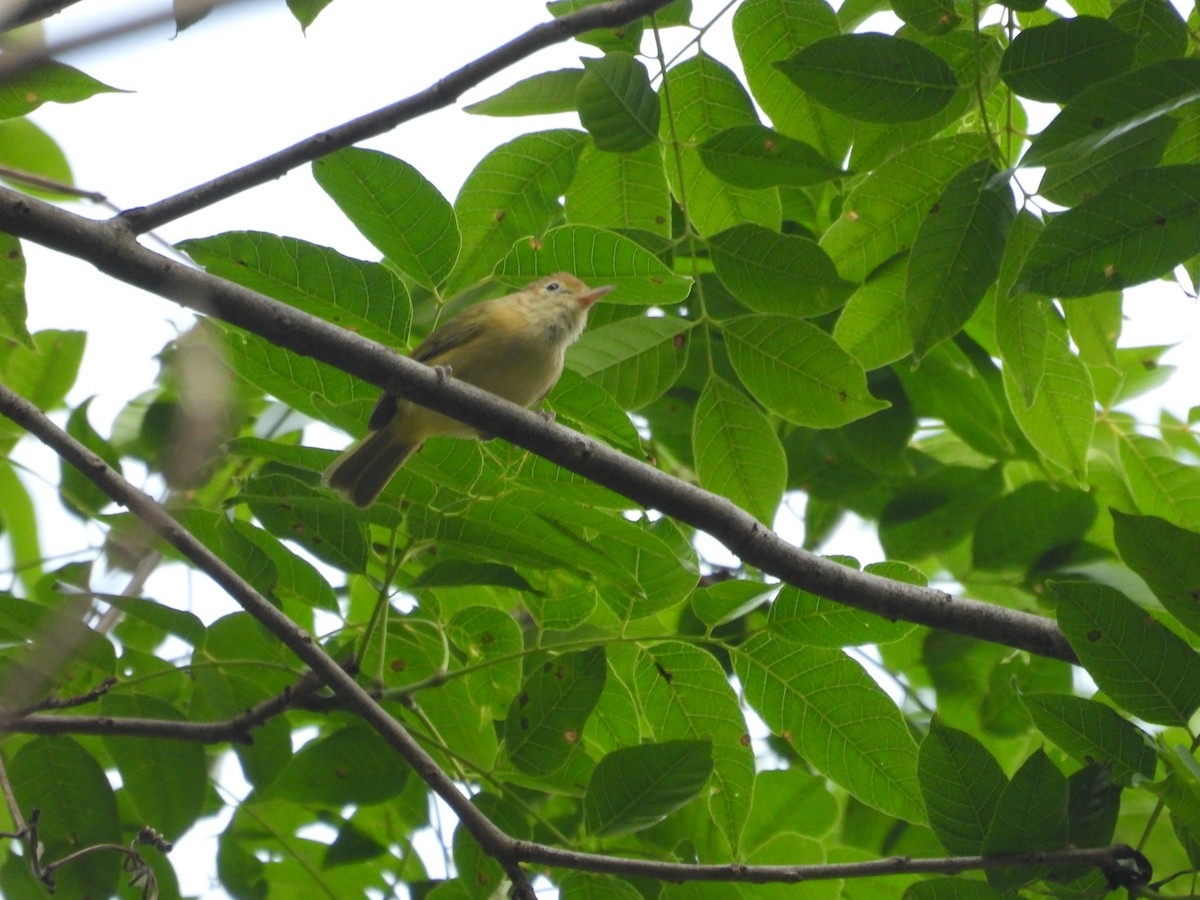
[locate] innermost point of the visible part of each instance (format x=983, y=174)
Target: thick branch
x=114, y=252
x=357, y=700
x=440, y=94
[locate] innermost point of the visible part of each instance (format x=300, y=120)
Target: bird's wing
x=462, y=329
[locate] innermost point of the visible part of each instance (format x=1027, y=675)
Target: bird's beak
x=585, y=300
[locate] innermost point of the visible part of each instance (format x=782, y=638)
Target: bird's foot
x=443, y=372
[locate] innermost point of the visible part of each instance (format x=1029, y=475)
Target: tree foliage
x=841, y=287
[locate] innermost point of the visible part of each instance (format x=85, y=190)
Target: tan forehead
x=564, y=278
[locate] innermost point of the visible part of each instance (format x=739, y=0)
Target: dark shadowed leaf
x=873, y=77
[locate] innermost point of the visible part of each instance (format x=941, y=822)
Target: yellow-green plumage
x=512, y=346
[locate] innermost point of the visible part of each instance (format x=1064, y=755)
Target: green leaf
x=546, y=719
x=797, y=371
x=768, y=31
x=1094, y=324
x=307, y=386
x=1031, y=814
x=587, y=886
x=295, y=578
x=50, y=82
x=799, y=616
x=952, y=888
x=627, y=37
x=396, y=208
x=362, y=296
x=777, y=273
x=1023, y=528
x=1093, y=807
x=1156, y=25
x=1055, y=61
x=465, y=572
x=597, y=257
x=351, y=765
x=593, y=411
x=79, y=493
x=1093, y=732
x=693, y=700
x=961, y=783
x=873, y=77
x=1141, y=665
x=867, y=748
x=956, y=255
x=634, y=360
x=177, y=622
x=541, y=94
x=636, y=787
x=1108, y=109
x=481, y=874
x=707, y=98
x=789, y=801
x=616, y=103
x=937, y=17
x=1168, y=559
x=512, y=193
x=13, y=311
x=173, y=804
x=1161, y=485
x=43, y=372
x=1021, y=319
x=490, y=640
x=883, y=213
x=738, y=454
x=723, y=601
x=27, y=149
x=873, y=326
x=1062, y=418
x=938, y=511
x=1137, y=229
x=1071, y=183
x=949, y=385
x=751, y=156
x=306, y=11
x=621, y=191
x=324, y=525
x=78, y=809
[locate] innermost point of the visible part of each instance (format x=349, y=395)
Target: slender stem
x=441, y=93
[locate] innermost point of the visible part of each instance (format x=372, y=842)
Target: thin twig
x=1119, y=863
x=18, y=61
x=116, y=253
x=440, y=94
x=238, y=730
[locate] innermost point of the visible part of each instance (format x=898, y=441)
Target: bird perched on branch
x=512, y=346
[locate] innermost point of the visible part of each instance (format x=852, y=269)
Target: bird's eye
x=554, y=286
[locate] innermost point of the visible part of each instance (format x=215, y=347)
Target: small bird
x=512, y=346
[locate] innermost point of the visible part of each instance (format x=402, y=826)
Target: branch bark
x=238, y=730
x=493, y=841
x=115, y=252
x=438, y=95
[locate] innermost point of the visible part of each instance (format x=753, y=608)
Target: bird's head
x=560, y=303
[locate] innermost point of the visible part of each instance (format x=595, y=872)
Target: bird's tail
x=364, y=470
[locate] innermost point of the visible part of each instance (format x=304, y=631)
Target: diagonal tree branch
x=493, y=841
x=440, y=94
x=115, y=252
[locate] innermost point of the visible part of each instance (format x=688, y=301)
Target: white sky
x=246, y=82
